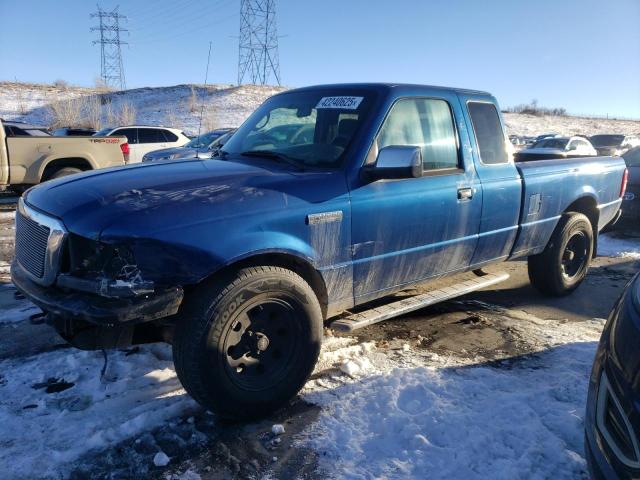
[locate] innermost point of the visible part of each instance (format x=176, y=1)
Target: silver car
x=198, y=148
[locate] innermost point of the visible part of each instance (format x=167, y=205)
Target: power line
x=258, y=46
x=111, y=67
x=176, y=13
x=175, y=26
x=180, y=31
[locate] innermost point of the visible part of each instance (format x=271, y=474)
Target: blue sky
x=583, y=55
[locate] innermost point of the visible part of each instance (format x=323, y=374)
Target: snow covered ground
x=613, y=246
x=388, y=409
x=176, y=106
x=228, y=105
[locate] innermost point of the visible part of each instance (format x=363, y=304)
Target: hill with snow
x=227, y=106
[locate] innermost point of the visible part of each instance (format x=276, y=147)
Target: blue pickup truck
x=326, y=198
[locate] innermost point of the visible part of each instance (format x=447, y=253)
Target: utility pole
x=111, y=67
x=258, y=57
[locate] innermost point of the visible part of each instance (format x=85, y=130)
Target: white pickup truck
x=29, y=160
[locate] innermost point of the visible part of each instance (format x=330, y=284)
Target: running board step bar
x=378, y=314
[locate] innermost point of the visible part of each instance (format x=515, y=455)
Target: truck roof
x=378, y=86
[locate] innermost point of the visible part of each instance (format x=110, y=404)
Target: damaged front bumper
x=99, y=310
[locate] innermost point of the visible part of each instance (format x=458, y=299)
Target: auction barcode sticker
x=346, y=103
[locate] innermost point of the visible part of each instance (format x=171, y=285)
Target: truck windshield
x=312, y=128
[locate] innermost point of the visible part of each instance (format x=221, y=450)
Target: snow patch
x=161, y=459
x=459, y=418
x=277, y=429
x=610, y=246
x=141, y=392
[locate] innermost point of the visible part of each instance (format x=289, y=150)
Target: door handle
x=465, y=193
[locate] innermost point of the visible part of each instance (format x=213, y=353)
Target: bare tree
x=210, y=120
x=100, y=86
x=65, y=112
x=61, y=84
x=93, y=112
x=110, y=115
x=193, y=100
x=127, y=114
x=170, y=119
x=22, y=104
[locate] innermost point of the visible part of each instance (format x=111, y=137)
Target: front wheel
x=564, y=263
x=246, y=344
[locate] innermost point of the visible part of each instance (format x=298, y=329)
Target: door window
x=426, y=123
x=168, y=136
x=150, y=135
x=130, y=133
x=489, y=135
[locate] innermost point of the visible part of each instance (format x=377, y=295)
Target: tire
x=564, y=263
x=245, y=344
x=63, y=172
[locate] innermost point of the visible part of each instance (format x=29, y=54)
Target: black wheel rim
x=260, y=343
x=575, y=254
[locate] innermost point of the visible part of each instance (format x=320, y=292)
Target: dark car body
x=612, y=422
x=613, y=144
x=73, y=132
x=631, y=200
x=22, y=129
x=202, y=146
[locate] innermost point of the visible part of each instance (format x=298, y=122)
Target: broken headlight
x=107, y=270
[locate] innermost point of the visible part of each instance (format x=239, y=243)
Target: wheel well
x=588, y=207
x=290, y=262
x=55, y=165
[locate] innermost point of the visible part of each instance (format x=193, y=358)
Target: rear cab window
x=488, y=131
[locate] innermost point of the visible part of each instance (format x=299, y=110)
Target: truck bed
x=549, y=187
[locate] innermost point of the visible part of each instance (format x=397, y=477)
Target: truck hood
x=142, y=198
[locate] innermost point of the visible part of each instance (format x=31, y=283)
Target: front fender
x=181, y=264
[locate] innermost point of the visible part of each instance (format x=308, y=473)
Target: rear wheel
x=61, y=172
x=246, y=344
x=564, y=263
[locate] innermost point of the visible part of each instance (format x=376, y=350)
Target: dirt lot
x=498, y=328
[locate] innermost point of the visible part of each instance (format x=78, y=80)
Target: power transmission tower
x=258, y=56
x=111, y=68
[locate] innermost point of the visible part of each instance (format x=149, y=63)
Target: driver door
x=407, y=230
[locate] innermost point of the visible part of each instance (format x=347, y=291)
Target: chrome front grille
x=39, y=243
x=31, y=244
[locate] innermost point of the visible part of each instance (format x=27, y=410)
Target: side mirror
x=572, y=147
x=396, y=161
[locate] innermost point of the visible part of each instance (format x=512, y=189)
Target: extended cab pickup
x=29, y=160
x=326, y=198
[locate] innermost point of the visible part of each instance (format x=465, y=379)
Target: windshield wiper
x=281, y=157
